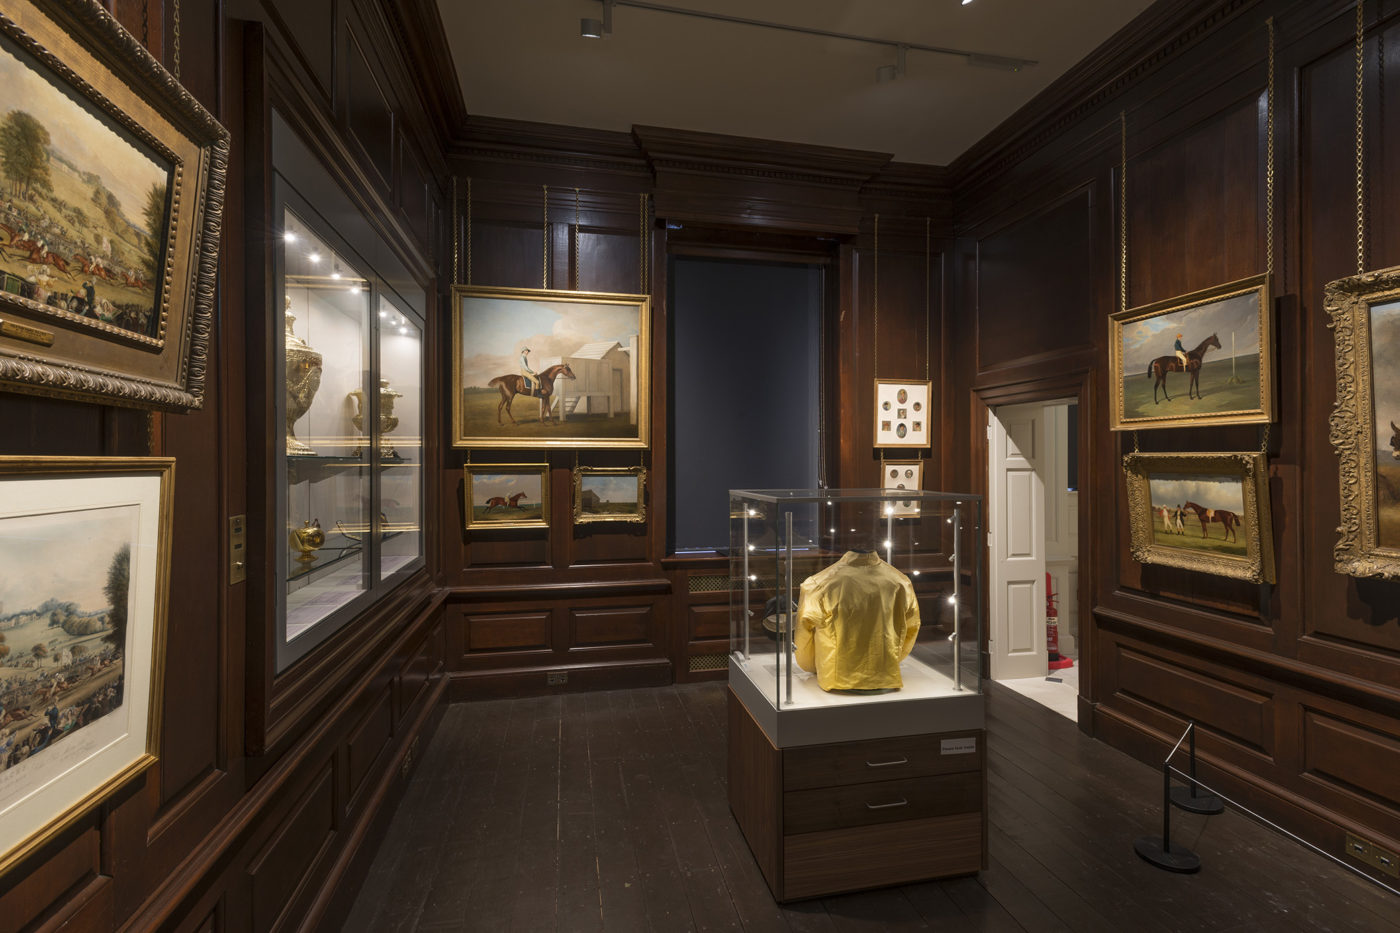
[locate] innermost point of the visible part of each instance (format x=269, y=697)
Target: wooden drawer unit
x=825, y=819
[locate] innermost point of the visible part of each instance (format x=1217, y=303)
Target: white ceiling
x=525, y=60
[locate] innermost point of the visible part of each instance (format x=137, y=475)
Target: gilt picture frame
x=1207, y=512
x=610, y=494
x=506, y=495
x=902, y=474
x=902, y=408
x=86, y=544
x=587, y=356
x=1226, y=338
x=1365, y=318
x=110, y=213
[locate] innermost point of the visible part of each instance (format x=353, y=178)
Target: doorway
x=1033, y=546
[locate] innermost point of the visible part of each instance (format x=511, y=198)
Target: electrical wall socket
x=555, y=678
x=1373, y=855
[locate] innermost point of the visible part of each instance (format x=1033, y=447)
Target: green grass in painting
x=1192, y=540
x=1218, y=394
x=1387, y=501
x=528, y=512
x=611, y=508
x=479, y=420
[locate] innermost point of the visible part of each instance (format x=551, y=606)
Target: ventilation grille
x=708, y=662
x=709, y=582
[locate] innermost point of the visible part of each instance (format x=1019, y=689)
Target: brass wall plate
x=1371, y=854
x=237, y=549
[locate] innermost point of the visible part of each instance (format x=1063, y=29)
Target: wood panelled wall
x=1295, y=687
x=266, y=787
x=606, y=605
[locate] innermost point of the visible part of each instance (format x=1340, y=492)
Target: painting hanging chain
x=545, y=276
x=176, y=10
x=928, y=328
x=1123, y=211
x=1360, y=138
x=469, y=230
x=643, y=243
x=1269, y=163
x=577, y=232
x=456, y=235
x=875, y=322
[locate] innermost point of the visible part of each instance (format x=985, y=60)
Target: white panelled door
x=1016, y=539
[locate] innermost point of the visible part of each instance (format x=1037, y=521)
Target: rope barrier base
x=1175, y=858
x=1186, y=798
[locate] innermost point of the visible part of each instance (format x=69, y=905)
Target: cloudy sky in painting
x=61, y=556
x=1213, y=492
x=1144, y=341
x=612, y=488
x=495, y=330
x=488, y=485
x=80, y=137
x=1385, y=374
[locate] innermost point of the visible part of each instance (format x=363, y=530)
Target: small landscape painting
x=1385, y=401
x=64, y=602
x=1200, y=512
x=603, y=494
x=84, y=206
x=1194, y=359
x=507, y=495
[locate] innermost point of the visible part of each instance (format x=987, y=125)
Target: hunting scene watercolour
x=1202, y=511
x=535, y=368
x=85, y=547
x=1198, y=359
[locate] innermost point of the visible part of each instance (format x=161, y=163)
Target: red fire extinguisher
x=1052, y=629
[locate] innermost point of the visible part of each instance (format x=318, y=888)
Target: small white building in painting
x=605, y=380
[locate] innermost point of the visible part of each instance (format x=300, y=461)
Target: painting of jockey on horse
x=506, y=495
x=1194, y=359
x=535, y=368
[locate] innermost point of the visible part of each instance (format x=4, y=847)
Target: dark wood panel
x=64, y=871
x=1035, y=284
x=311, y=27
x=280, y=868
x=516, y=631
x=367, y=742
x=369, y=115
x=755, y=769
x=1239, y=713
x=623, y=625
x=878, y=759
x=868, y=856
x=709, y=622
x=808, y=811
x=1352, y=758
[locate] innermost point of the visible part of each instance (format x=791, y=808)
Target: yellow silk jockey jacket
x=856, y=620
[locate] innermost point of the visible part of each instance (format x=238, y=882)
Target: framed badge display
x=902, y=412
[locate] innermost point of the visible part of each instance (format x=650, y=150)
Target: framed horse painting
x=110, y=214
x=610, y=494
x=1202, y=511
x=537, y=368
x=1203, y=358
x=506, y=495
x=1365, y=424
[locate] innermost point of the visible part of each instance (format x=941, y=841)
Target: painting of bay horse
x=513, y=384
x=1228, y=520
x=1162, y=365
x=504, y=502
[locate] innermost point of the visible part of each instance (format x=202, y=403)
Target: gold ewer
x=303, y=379
x=308, y=539
x=387, y=419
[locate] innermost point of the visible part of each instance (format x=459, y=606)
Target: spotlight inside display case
x=856, y=708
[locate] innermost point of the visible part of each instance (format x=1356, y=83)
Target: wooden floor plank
x=608, y=812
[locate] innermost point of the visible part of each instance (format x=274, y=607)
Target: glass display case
x=857, y=742
x=830, y=677
x=351, y=405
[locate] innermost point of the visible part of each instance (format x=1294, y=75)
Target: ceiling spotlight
x=966, y=2
x=997, y=61
x=597, y=28
x=289, y=236
x=314, y=257
x=890, y=72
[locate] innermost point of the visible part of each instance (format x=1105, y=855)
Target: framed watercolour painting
x=902, y=412
x=507, y=495
x=1203, y=358
x=536, y=368
x=609, y=494
x=1202, y=511
x=85, y=544
x=110, y=211
x=1365, y=423
x=902, y=474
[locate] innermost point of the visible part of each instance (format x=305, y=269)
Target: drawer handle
x=887, y=806
x=886, y=764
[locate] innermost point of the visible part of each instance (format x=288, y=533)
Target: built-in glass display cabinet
x=856, y=742
x=351, y=414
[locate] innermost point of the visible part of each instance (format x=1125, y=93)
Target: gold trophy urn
x=387, y=419
x=303, y=379
x=308, y=539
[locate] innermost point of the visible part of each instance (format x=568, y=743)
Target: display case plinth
x=846, y=816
